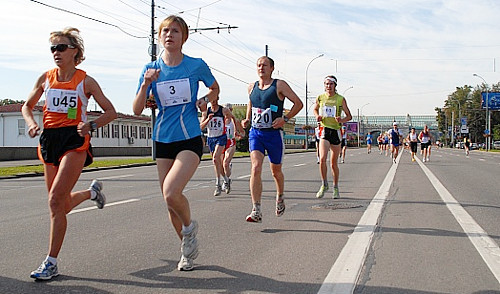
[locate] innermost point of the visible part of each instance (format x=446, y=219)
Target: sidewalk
x=11, y=163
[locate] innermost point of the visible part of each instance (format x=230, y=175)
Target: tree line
x=466, y=102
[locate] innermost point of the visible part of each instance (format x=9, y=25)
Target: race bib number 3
x=261, y=118
x=175, y=92
x=61, y=100
x=329, y=111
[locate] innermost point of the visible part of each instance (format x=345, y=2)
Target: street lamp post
x=307, y=123
x=487, y=114
x=343, y=94
x=358, y=119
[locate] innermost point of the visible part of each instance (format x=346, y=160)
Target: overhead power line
x=132, y=7
x=90, y=18
x=110, y=15
x=231, y=76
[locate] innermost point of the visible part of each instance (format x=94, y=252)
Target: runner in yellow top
x=328, y=109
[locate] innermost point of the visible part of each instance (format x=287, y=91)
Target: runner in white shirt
x=425, y=143
x=234, y=131
x=412, y=138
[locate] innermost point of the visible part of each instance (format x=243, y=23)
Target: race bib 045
x=61, y=100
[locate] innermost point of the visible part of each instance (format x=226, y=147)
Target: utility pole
x=267, y=50
x=153, y=58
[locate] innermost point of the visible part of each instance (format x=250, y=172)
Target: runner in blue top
x=369, y=142
x=394, y=136
x=173, y=80
x=265, y=112
x=386, y=143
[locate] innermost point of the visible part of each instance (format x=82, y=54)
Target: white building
x=124, y=131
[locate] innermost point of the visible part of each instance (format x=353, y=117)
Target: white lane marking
x=243, y=177
x=345, y=271
x=204, y=166
x=107, y=205
x=116, y=177
x=300, y=164
x=485, y=245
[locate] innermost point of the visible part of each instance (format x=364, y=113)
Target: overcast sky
x=391, y=57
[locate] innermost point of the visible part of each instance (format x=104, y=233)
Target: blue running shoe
x=46, y=271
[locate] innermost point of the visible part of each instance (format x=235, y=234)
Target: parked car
x=474, y=146
x=496, y=144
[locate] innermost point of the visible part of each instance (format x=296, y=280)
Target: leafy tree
x=8, y=101
x=496, y=132
x=240, y=114
x=466, y=102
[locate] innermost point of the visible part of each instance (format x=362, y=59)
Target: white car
x=496, y=144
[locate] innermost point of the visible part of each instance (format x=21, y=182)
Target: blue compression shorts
x=213, y=141
x=267, y=140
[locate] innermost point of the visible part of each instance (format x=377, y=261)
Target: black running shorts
x=170, y=150
x=331, y=135
x=57, y=142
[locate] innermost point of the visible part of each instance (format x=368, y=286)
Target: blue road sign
x=493, y=99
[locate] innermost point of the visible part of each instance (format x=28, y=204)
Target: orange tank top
x=65, y=102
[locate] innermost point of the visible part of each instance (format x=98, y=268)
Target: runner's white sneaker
x=227, y=187
x=280, y=207
x=254, y=217
x=100, y=199
x=189, y=245
x=218, y=190
x=185, y=264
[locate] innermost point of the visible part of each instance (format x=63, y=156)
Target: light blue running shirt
x=176, y=92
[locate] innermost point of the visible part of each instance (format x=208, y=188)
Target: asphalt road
x=395, y=230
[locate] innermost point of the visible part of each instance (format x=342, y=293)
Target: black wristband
x=93, y=125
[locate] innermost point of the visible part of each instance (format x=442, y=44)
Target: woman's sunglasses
x=61, y=47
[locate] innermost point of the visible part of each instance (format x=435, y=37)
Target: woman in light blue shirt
x=173, y=79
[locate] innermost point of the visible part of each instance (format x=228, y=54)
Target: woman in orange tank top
x=64, y=145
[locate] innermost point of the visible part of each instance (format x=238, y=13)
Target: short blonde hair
x=73, y=35
x=180, y=21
